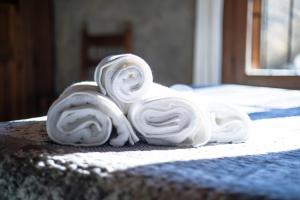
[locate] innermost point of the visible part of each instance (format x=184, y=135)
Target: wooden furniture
x=113, y=43
x=234, y=49
x=26, y=58
x=8, y=62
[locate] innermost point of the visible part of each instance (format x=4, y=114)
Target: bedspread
x=266, y=166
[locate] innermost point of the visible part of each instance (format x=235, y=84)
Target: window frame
x=235, y=49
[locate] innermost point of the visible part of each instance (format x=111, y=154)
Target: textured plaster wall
x=163, y=33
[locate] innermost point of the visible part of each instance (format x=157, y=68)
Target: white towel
x=124, y=78
x=229, y=123
x=162, y=117
x=81, y=116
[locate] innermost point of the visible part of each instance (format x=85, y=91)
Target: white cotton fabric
x=124, y=78
x=229, y=124
x=86, y=112
x=81, y=116
x=163, y=117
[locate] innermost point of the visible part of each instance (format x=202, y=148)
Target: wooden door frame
x=234, y=51
x=27, y=73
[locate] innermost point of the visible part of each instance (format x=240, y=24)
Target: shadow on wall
x=163, y=33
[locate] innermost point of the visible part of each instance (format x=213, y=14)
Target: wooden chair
x=109, y=44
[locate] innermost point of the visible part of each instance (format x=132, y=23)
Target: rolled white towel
x=164, y=118
x=81, y=116
x=229, y=123
x=124, y=78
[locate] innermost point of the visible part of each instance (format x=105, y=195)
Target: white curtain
x=208, y=42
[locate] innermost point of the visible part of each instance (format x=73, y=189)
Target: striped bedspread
x=258, y=102
x=266, y=166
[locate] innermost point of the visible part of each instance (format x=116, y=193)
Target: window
x=273, y=40
x=261, y=43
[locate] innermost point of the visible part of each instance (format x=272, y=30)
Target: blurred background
x=46, y=45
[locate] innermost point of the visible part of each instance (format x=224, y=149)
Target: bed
x=265, y=167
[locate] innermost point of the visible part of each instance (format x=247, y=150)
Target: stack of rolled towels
x=123, y=105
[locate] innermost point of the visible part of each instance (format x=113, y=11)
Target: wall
x=163, y=33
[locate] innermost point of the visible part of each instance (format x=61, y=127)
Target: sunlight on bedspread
x=269, y=135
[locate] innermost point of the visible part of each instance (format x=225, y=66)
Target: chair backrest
x=103, y=45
